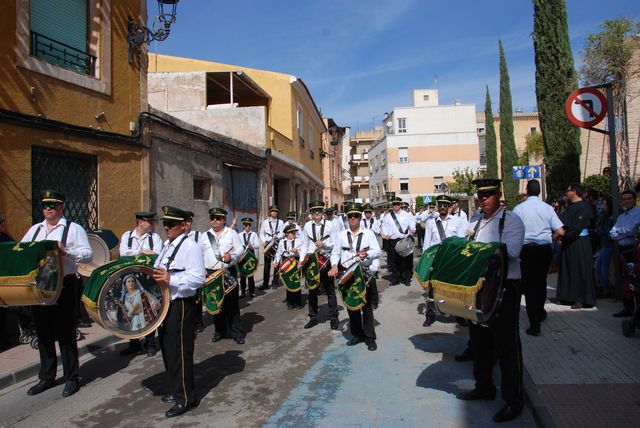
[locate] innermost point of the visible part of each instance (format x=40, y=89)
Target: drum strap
x=271, y=227
x=130, y=240
x=395, y=219
x=197, y=233
x=173, y=255
x=441, y=232
x=293, y=244
x=35, y=235
x=358, y=242
x=214, y=246
x=313, y=230
x=65, y=233
x=500, y=227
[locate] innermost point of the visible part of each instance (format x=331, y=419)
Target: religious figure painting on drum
x=132, y=302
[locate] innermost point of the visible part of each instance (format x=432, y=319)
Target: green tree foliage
x=508, y=153
x=599, y=182
x=534, y=149
x=490, y=138
x=462, y=183
x=606, y=58
x=555, y=80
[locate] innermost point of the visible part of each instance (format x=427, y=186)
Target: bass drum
x=31, y=273
x=130, y=304
x=405, y=246
x=104, y=244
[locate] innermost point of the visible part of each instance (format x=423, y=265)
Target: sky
x=362, y=58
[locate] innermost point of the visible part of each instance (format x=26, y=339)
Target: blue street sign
x=426, y=199
x=527, y=172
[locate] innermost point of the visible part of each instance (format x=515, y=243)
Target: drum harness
x=246, y=236
x=395, y=220
x=357, y=250
x=216, y=252
x=130, y=240
x=173, y=256
x=313, y=231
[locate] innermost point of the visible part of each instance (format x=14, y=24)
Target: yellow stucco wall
x=121, y=179
x=283, y=135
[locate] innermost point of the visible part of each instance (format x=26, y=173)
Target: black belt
x=190, y=299
x=534, y=244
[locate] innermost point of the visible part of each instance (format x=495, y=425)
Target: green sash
x=353, y=293
x=213, y=292
x=423, y=269
x=98, y=277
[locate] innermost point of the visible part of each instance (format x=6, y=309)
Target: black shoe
x=430, y=318
x=623, y=313
x=169, y=398
x=239, y=340
x=391, y=284
x=534, y=330
x=131, y=349
x=84, y=324
x=477, y=394
x=311, y=323
x=334, y=323
x=371, y=345
x=151, y=350
x=217, y=337
x=242, y=295
x=375, y=305
x=407, y=283
x=466, y=355
x=178, y=409
x=252, y=295
x=199, y=327
x=70, y=388
x=577, y=305
x=41, y=386
x=355, y=340
x=544, y=315
x=289, y=307
x=508, y=412
x=263, y=287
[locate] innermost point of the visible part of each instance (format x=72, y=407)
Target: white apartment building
x=421, y=147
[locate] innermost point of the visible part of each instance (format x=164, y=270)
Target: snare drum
x=213, y=291
x=248, y=263
x=271, y=248
x=123, y=297
x=290, y=274
x=468, y=278
x=404, y=247
x=104, y=244
x=31, y=273
x=352, y=286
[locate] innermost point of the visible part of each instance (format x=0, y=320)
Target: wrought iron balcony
x=63, y=55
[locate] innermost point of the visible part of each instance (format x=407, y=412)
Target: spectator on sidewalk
x=575, y=270
x=625, y=231
x=541, y=227
x=603, y=226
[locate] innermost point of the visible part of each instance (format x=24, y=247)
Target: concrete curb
x=533, y=399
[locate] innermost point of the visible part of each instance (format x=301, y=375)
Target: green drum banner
x=290, y=275
x=94, y=284
x=423, y=269
x=312, y=273
x=248, y=264
x=213, y=292
x=21, y=262
x=353, y=288
x=459, y=265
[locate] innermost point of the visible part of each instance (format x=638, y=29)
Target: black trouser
x=327, y=285
x=198, y=315
x=502, y=340
x=177, y=336
x=419, y=233
x=243, y=284
x=227, y=321
x=266, y=273
x=534, y=265
x=373, y=289
x=361, y=323
x=294, y=298
x=59, y=321
x=400, y=267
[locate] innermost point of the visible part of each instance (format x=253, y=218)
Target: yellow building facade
x=69, y=106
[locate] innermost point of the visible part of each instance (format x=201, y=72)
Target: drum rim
x=85, y=269
x=351, y=268
x=166, y=299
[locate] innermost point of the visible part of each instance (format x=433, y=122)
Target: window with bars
x=75, y=175
x=201, y=188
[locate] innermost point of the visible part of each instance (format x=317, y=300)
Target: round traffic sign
x=586, y=107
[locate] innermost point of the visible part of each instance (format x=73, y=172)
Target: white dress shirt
x=228, y=241
x=407, y=224
x=345, y=253
x=540, y=220
x=460, y=213
x=250, y=240
x=285, y=246
x=139, y=243
x=452, y=226
x=270, y=229
x=77, y=247
x=512, y=236
x=371, y=223
x=326, y=234
x=186, y=271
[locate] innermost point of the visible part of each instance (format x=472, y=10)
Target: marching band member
x=318, y=235
x=291, y=219
x=222, y=247
x=59, y=321
x=195, y=236
x=180, y=268
x=251, y=243
x=445, y=225
x=357, y=245
x=141, y=240
x=397, y=225
x=502, y=337
x=271, y=229
x=457, y=211
x=373, y=224
x=290, y=247
x=330, y=215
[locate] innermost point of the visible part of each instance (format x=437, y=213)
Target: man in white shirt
x=59, y=321
x=251, y=243
x=270, y=232
x=179, y=267
x=445, y=225
x=330, y=215
x=373, y=224
x=397, y=225
x=352, y=246
x=457, y=211
x=222, y=246
x=541, y=227
x=141, y=240
x=195, y=236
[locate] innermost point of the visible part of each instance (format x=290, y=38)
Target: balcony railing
x=63, y=55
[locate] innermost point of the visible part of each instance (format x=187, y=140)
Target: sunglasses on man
x=217, y=217
x=354, y=215
x=486, y=193
x=170, y=224
x=49, y=205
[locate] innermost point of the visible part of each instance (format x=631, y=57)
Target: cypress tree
x=508, y=154
x=490, y=138
x=555, y=80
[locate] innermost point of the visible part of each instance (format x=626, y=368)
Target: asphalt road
x=283, y=376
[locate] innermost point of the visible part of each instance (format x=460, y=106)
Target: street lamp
x=139, y=34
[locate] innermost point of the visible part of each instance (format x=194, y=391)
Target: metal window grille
x=63, y=55
x=73, y=174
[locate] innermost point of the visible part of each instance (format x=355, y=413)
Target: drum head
x=101, y=255
x=490, y=296
x=131, y=304
x=348, y=274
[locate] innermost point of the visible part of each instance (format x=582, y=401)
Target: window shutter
x=64, y=21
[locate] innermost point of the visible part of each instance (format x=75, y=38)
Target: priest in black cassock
x=575, y=271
